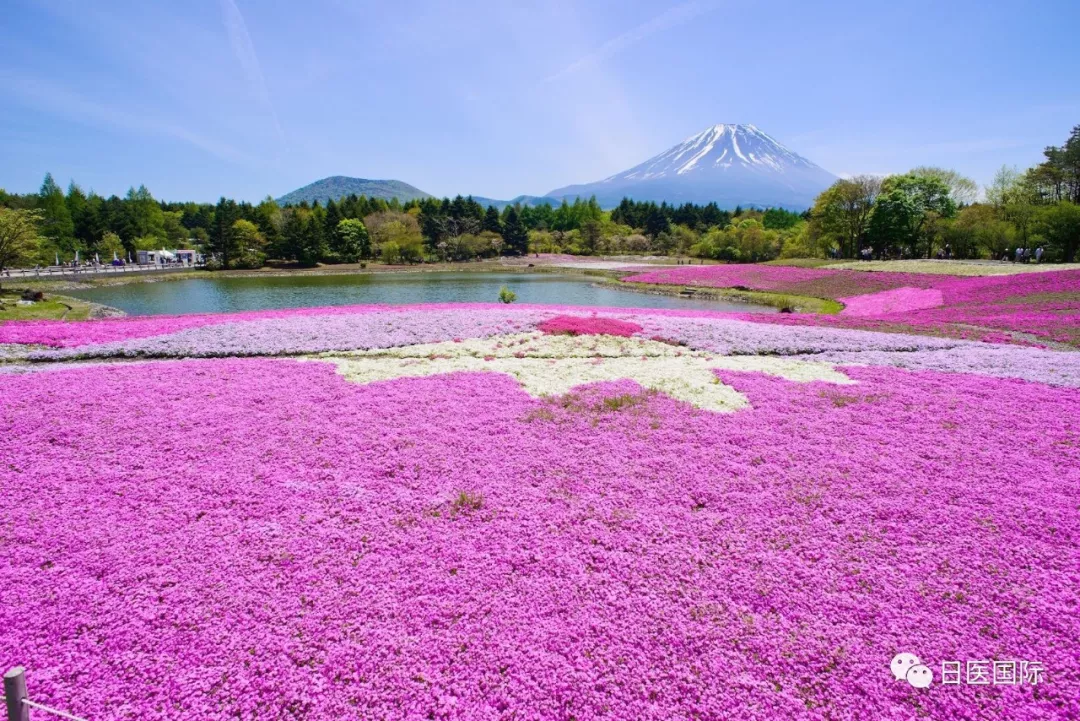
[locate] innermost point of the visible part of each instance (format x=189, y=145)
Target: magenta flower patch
x=592, y=325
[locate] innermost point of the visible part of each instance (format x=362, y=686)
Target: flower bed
x=901, y=300
x=1043, y=305
x=419, y=532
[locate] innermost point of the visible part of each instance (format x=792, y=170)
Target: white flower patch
x=548, y=365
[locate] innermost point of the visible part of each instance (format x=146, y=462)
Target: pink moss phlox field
x=260, y=538
x=1043, y=305
x=899, y=300
x=590, y=325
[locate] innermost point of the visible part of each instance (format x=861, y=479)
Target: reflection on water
x=213, y=295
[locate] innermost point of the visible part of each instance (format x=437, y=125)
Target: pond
x=214, y=295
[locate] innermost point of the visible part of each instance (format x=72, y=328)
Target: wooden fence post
x=15, y=694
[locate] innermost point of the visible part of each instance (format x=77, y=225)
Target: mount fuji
x=727, y=164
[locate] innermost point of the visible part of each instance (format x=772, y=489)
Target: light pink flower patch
x=591, y=325
x=900, y=300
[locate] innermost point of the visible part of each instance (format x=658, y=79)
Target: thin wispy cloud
x=244, y=50
x=47, y=96
x=672, y=17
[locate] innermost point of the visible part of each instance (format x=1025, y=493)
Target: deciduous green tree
x=841, y=214
x=250, y=245
x=110, y=246
x=962, y=190
x=1060, y=224
x=19, y=236
x=352, y=242
x=905, y=209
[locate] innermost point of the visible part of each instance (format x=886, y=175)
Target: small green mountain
x=339, y=186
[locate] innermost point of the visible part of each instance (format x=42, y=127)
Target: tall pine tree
x=312, y=242
x=514, y=234
x=292, y=233
x=333, y=217
x=492, y=221
x=56, y=223
x=222, y=237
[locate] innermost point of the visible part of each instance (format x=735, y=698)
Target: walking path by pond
x=229, y=294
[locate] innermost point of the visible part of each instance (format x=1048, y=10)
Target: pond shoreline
x=214, y=293
x=607, y=278
x=799, y=303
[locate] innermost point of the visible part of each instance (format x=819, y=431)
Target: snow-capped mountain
x=729, y=164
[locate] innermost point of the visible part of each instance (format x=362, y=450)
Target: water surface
x=218, y=295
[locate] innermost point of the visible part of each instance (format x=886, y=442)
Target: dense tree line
x=356, y=228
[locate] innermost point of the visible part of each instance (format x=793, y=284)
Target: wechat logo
x=907, y=666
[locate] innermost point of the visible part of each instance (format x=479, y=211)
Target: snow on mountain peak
x=722, y=162
x=721, y=146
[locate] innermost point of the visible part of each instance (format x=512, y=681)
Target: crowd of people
x=1023, y=255
x=1018, y=255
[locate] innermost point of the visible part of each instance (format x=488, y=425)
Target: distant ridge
x=727, y=164
x=337, y=187
x=519, y=200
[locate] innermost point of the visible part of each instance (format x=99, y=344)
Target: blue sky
x=244, y=98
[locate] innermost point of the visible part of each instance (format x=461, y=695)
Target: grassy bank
x=798, y=303
x=53, y=307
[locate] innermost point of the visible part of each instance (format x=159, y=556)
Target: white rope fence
x=18, y=705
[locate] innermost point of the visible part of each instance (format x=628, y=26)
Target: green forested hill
x=339, y=186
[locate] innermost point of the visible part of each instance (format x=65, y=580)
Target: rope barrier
x=55, y=712
x=18, y=705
